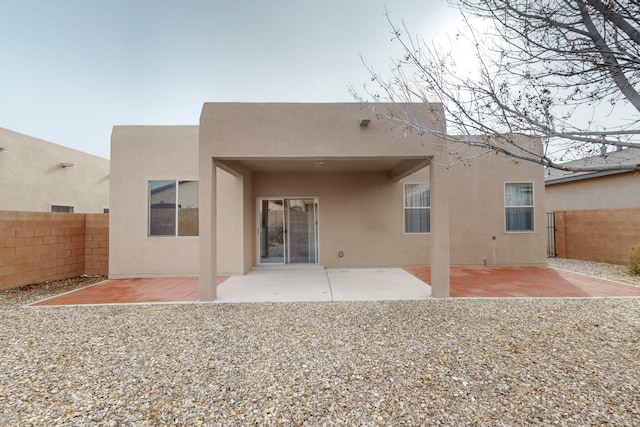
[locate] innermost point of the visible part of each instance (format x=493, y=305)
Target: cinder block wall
x=96, y=244
x=602, y=235
x=42, y=246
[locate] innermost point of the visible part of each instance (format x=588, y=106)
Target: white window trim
x=533, y=206
x=404, y=208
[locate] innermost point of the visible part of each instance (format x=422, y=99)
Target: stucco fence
x=41, y=246
x=602, y=235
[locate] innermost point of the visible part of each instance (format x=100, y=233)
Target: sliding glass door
x=301, y=231
x=288, y=231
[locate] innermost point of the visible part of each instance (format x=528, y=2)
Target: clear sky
x=72, y=69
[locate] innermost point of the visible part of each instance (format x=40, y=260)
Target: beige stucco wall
x=607, y=192
x=140, y=154
x=230, y=227
x=478, y=213
x=33, y=179
x=303, y=130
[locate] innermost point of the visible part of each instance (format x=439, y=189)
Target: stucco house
x=40, y=176
x=595, y=190
x=334, y=185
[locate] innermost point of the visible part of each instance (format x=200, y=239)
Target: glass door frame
x=285, y=237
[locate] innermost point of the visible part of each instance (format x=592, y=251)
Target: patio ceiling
x=395, y=167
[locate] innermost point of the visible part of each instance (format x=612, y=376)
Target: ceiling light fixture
x=68, y=165
x=364, y=122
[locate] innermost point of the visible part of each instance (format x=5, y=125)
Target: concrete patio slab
x=376, y=284
x=318, y=284
x=276, y=285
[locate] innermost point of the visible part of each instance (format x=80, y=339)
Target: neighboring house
x=596, y=215
x=594, y=190
x=39, y=176
x=327, y=184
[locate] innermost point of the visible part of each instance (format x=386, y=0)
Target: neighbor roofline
x=581, y=177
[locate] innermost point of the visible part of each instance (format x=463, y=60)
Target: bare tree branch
x=541, y=66
x=610, y=60
x=620, y=21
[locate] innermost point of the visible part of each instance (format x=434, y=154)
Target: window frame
x=532, y=206
x=176, y=208
x=61, y=208
x=405, y=208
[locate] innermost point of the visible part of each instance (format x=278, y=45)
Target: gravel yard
x=618, y=273
x=437, y=362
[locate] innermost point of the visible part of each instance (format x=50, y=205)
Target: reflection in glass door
x=272, y=231
x=288, y=231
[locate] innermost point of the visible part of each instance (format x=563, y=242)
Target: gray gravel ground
x=618, y=273
x=437, y=362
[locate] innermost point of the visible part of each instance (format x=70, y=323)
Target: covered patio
x=336, y=161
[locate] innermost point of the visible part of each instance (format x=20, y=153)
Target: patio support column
x=207, y=277
x=440, y=257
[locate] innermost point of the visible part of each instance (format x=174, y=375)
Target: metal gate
x=551, y=235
